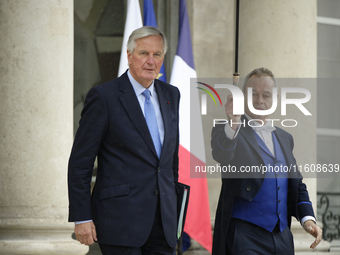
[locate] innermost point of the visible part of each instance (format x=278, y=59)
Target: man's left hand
x=313, y=229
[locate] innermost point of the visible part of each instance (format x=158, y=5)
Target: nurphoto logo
x=238, y=103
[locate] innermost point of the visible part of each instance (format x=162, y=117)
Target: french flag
x=149, y=19
x=198, y=222
x=133, y=21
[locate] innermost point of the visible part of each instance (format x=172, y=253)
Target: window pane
x=329, y=8
x=328, y=51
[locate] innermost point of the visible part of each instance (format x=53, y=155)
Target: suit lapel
x=284, y=142
x=249, y=135
x=164, y=104
x=263, y=146
x=131, y=105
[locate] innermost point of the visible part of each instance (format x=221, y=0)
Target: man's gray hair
x=144, y=32
x=259, y=72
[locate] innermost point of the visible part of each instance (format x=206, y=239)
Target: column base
x=42, y=247
x=43, y=237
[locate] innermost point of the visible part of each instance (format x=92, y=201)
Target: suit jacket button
x=156, y=192
x=248, y=188
x=245, y=155
x=159, y=169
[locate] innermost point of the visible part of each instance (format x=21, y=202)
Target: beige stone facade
x=38, y=78
x=36, y=116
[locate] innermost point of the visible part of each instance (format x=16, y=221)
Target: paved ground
x=95, y=250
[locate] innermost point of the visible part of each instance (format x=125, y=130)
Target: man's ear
x=128, y=56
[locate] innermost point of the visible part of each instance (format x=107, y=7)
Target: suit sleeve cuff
x=304, y=219
x=231, y=134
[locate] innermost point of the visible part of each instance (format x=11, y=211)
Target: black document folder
x=182, y=206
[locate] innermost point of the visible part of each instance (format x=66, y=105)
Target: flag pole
x=180, y=246
x=237, y=22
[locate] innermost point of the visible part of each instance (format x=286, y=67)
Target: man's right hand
x=229, y=111
x=86, y=233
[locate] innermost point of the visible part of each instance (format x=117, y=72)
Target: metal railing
x=328, y=211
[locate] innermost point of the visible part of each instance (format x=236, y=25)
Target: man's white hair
x=144, y=32
x=259, y=72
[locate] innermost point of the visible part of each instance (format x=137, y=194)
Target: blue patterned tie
x=150, y=117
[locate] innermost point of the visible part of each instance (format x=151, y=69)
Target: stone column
x=36, y=126
x=281, y=35
x=212, y=29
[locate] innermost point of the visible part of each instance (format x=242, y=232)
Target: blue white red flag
x=198, y=222
x=133, y=21
x=149, y=19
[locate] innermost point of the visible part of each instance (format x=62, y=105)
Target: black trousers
x=244, y=238
x=156, y=244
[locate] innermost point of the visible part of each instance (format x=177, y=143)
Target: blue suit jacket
x=245, y=151
x=130, y=176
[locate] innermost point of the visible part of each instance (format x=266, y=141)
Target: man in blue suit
x=255, y=208
x=131, y=125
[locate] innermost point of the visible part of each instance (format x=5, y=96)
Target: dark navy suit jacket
x=130, y=176
x=244, y=151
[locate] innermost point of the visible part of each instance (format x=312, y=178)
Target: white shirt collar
x=137, y=87
x=259, y=127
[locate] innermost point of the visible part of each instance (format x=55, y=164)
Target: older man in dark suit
x=131, y=125
x=255, y=208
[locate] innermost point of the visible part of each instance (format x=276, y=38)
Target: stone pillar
x=281, y=35
x=36, y=126
x=212, y=29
